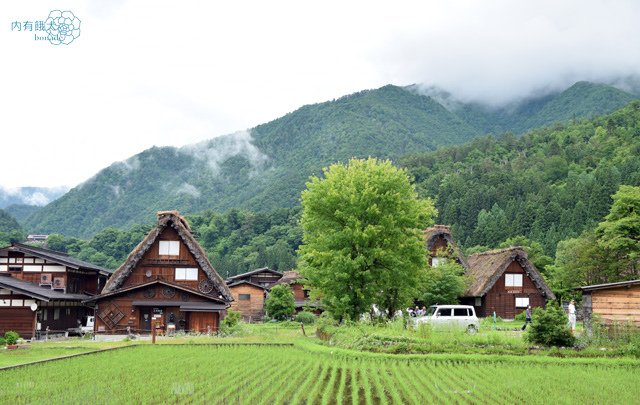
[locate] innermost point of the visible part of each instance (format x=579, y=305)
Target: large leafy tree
x=620, y=230
x=362, y=240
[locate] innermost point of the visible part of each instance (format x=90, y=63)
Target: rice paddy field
x=315, y=374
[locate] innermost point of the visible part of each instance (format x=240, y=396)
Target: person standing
x=572, y=315
x=527, y=317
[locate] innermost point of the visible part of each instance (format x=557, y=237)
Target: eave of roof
x=37, y=292
x=252, y=272
x=56, y=257
x=609, y=285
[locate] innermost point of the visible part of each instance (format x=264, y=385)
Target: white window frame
x=169, y=248
x=513, y=280
x=522, y=302
x=186, y=274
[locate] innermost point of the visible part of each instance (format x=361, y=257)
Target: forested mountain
x=582, y=100
x=21, y=211
x=548, y=185
x=10, y=229
x=266, y=168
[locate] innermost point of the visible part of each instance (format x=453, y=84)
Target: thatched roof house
x=440, y=239
x=167, y=280
x=178, y=223
x=505, y=281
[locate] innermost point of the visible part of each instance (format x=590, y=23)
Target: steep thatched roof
x=180, y=225
x=444, y=231
x=487, y=267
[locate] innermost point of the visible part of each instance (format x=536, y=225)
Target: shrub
x=11, y=338
x=550, y=327
x=305, y=317
x=2, y=342
x=280, y=304
x=230, y=325
x=522, y=316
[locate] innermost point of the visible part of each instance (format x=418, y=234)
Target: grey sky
x=146, y=73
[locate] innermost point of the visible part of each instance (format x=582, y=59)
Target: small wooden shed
x=612, y=302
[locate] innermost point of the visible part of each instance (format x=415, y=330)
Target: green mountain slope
x=262, y=170
x=267, y=167
x=548, y=185
x=581, y=100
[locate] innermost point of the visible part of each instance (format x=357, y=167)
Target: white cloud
x=146, y=73
x=218, y=150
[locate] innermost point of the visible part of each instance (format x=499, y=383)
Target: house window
x=56, y=314
x=44, y=314
x=244, y=297
x=513, y=280
x=522, y=302
x=478, y=302
x=438, y=261
x=169, y=248
x=187, y=274
x=305, y=293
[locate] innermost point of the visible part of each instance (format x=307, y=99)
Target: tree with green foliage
x=620, y=230
x=550, y=327
x=280, y=303
x=363, y=241
x=444, y=284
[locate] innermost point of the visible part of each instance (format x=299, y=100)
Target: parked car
x=84, y=326
x=451, y=316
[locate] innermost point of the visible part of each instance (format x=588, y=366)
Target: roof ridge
x=500, y=250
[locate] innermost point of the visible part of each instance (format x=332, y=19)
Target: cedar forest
x=550, y=190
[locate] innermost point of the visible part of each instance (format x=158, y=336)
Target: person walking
x=527, y=317
x=572, y=315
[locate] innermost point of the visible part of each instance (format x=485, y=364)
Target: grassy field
x=311, y=373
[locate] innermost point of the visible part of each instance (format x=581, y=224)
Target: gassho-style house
x=166, y=281
x=503, y=280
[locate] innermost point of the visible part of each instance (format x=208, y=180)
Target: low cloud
x=188, y=189
x=216, y=151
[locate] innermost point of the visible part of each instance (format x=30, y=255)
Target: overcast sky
x=146, y=73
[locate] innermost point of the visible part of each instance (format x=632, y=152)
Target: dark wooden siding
x=154, y=266
x=18, y=319
x=502, y=299
x=132, y=315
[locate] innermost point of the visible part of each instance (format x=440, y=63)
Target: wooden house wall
x=132, y=316
x=69, y=315
x=163, y=266
x=502, y=299
x=252, y=310
x=620, y=304
x=15, y=315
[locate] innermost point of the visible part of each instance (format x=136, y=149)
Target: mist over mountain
x=266, y=167
x=38, y=196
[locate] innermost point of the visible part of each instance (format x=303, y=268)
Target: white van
x=450, y=316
